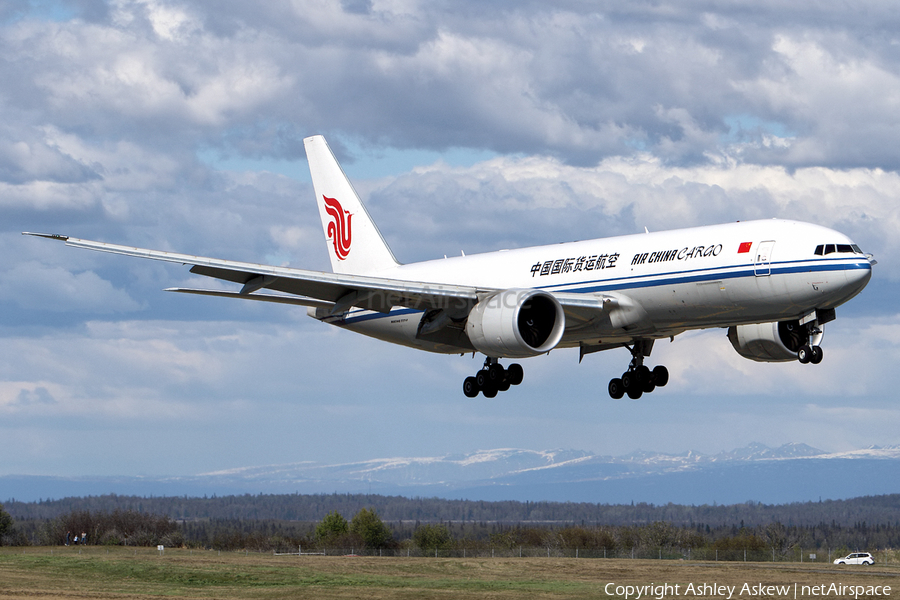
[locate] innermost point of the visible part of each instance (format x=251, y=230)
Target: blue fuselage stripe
x=671, y=278
x=708, y=274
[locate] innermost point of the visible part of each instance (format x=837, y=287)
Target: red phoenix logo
x=338, y=228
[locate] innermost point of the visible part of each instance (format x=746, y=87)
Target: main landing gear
x=638, y=379
x=493, y=378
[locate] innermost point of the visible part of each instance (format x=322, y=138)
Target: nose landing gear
x=809, y=354
x=493, y=378
x=805, y=335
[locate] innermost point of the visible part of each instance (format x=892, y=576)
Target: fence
x=793, y=555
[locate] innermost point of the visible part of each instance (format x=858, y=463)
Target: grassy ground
x=120, y=573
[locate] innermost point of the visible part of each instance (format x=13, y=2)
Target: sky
x=465, y=127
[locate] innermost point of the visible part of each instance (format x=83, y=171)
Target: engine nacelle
x=771, y=342
x=516, y=323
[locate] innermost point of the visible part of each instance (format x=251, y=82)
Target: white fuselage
x=714, y=276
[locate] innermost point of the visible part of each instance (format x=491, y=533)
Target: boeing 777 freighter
x=773, y=284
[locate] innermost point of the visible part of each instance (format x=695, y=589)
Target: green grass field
x=97, y=572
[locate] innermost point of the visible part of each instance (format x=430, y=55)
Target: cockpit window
x=825, y=249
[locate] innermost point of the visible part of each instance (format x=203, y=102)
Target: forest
x=343, y=523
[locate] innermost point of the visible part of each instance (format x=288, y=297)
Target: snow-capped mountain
x=792, y=472
x=442, y=470
x=505, y=464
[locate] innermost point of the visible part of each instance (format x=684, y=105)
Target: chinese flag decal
x=744, y=247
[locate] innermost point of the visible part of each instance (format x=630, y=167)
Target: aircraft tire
x=817, y=354
x=634, y=393
x=616, y=389
x=660, y=376
x=489, y=392
x=503, y=385
x=516, y=373
x=470, y=387
x=629, y=380
x=481, y=379
x=804, y=354
x=496, y=373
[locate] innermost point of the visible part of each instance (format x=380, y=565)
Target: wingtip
x=50, y=236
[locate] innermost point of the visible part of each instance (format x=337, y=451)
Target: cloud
x=859, y=352
x=830, y=88
x=580, y=82
x=33, y=286
x=40, y=160
x=37, y=395
x=234, y=380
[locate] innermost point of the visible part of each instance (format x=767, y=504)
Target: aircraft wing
x=335, y=292
x=338, y=292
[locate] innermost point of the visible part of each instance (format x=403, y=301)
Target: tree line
x=366, y=532
x=883, y=509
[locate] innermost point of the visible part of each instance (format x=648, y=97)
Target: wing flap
x=582, y=309
x=296, y=300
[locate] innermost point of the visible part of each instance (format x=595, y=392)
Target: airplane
x=773, y=284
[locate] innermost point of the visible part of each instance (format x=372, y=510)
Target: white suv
x=857, y=558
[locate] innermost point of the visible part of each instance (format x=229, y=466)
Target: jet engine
x=516, y=323
x=771, y=342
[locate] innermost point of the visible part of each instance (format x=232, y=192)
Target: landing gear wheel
x=481, y=379
x=470, y=387
x=660, y=376
x=503, y=385
x=616, y=389
x=489, y=392
x=816, y=357
x=634, y=393
x=644, y=379
x=496, y=373
x=629, y=381
x=515, y=373
x=804, y=354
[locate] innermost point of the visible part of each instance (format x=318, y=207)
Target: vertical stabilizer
x=355, y=245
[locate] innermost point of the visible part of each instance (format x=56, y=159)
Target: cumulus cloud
x=579, y=81
x=33, y=286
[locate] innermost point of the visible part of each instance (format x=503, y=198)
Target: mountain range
x=793, y=472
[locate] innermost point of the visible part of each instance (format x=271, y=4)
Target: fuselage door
x=762, y=266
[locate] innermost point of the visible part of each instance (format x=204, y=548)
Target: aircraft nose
x=859, y=278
